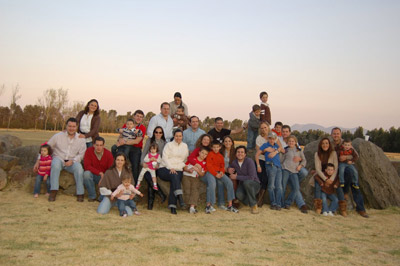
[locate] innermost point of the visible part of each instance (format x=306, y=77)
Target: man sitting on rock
x=68, y=152
x=97, y=160
x=336, y=134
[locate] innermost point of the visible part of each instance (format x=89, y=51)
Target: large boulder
x=7, y=161
x=27, y=155
x=20, y=175
x=379, y=180
x=3, y=179
x=8, y=142
x=396, y=165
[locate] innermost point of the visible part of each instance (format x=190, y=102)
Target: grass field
x=34, y=231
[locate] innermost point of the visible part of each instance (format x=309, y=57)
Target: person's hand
x=69, y=163
x=328, y=181
x=231, y=170
x=112, y=197
x=296, y=159
x=350, y=162
x=101, y=174
x=36, y=167
x=335, y=186
x=141, y=194
x=281, y=150
x=145, y=165
x=259, y=170
x=172, y=171
x=120, y=193
x=81, y=136
x=299, y=167
x=131, y=196
x=45, y=177
x=153, y=159
x=233, y=176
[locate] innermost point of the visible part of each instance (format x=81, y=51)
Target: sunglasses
x=158, y=132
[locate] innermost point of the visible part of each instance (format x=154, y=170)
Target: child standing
x=126, y=134
x=253, y=127
x=290, y=170
x=216, y=167
x=152, y=160
x=125, y=194
x=351, y=157
x=328, y=191
x=191, y=174
x=265, y=115
x=43, y=170
x=274, y=170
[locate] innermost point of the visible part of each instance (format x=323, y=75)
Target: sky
x=332, y=63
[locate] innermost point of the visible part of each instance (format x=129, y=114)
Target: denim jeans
x=247, y=191
x=357, y=196
x=90, y=181
x=134, y=157
x=209, y=180
x=175, y=188
x=317, y=191
x=251, y=138
x=263, y=176
x=274, y=184
x=295, y=194
x=301, y=175
x=38, y=183
x=106, y=204
x=224, y=182
x=123, y=204
x=76, y=168
x=350, y=168
x=334, y=202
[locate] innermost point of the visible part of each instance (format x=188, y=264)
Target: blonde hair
x=292, y=137
x=269, y=129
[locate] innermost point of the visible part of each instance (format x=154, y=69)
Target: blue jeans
x=295, y=194
x=106, y=204
x=247, y=191
x=251, y=138
x=123, y=148
x=357, y=196
x=274, y=184
x=352, y=169
x=76, y=168
x=209, y=180
x=90, y=181
x=134, y=157
x=318, y=191
x=123, y=204
x=38, y=183
x=334, y=202
x=224, y=182
x=175, y=188
x=263, y=176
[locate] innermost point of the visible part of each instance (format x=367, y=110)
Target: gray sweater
x=287, y=159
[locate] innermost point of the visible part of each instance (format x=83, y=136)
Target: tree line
x=53, y=108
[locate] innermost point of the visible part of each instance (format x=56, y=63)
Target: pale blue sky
x=324, y=62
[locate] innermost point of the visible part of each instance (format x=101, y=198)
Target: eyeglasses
x=158, y=132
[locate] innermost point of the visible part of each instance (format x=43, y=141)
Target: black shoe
x=181, y=202
x=150, y=198
x=173, y=210
x=161, y=194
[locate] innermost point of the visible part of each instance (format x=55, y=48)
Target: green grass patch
x=395, y=252
x=167, y=250
x=14, y=245
x=345, y=251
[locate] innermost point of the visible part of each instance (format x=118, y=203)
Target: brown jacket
x=94, y=125
x=328, y=189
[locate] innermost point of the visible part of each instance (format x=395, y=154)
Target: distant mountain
x=306, y=127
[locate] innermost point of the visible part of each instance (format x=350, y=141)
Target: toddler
x=125, y=194
x=180, y=119
x=328, y=191
x=253, y=127
x=351, y=157
x=265, y=111
x=152, y=160
x=126, y=134
x=43, y=170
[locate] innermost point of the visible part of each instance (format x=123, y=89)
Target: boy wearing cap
x=177, y=102
x=274, y=170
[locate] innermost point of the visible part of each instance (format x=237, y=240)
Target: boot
x=318, y=205
x=260, y=198
x=79, y=198
x=161, y=194
x=343, y=208
x=53, y=194
x=173, y=210
x=150, y=197
x=181, y=202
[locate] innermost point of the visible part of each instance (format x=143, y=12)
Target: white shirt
x=84, y=125
x=159, y=120
x=174, y=155
x=260, y=140
x=66, y=148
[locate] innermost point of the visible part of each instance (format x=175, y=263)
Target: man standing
x=136, y=150
x=192, y=134
x=163, y=120
x=177, y=102
x=219, y=132
x=336, y=135
x=68, y=152
x=97, y=160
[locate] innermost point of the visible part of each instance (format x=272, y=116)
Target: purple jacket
x=247, y=171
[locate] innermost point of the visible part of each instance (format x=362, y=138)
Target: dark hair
x=200, y=140
x=216, y=142
x=218, y=119
x=347, y=140
x=178, y=130
x=288, y=127
x=256, y=107
x=178, y=94
x=153, y=145
x=278, y=124
x=49, y=149
x=140, y=112
x=127, y=163
x=324, y=155
x=130, y=120
x=153, y=138
x=202, y=148
x=336, y=128
x=231, y=152
x=263, y=93
x=181, y=107
x=98, y=138
x=163, y=104
x=71, y=119
x=241, y=147
x=193, y=116
x=97, y=112
x=330, y=165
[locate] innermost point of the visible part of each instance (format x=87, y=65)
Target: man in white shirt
x=163, y=120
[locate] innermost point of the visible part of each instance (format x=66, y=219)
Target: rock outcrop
x=8, y=142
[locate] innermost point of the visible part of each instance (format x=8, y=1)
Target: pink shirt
x=44, y=165
x=127, y=192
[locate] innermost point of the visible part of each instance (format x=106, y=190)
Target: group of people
x=178, y=151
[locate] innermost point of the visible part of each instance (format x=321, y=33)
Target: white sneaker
x=325, y=214
x=192, y=210
x=125, y=215
x=330, y=214
x=222, y=207
x=212, y=209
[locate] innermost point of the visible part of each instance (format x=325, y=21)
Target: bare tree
x=47, y=102
x=61, y=104
x=2, y=89
x=15, y=96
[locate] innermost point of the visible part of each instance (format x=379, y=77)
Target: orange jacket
x=215, y=163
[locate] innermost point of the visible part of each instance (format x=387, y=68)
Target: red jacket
x=215, y=163
x=92, y=164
